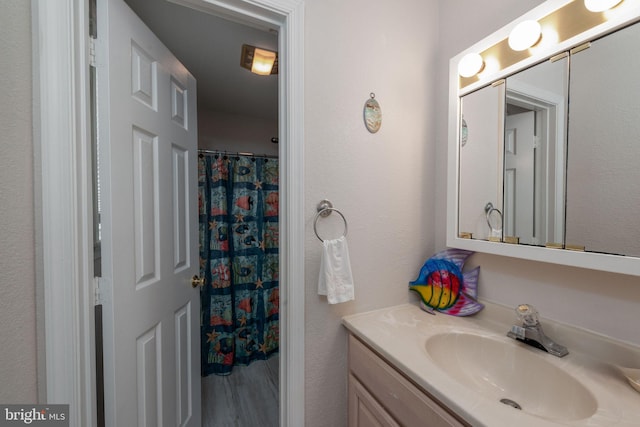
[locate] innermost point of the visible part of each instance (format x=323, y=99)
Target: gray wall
x=17, y=265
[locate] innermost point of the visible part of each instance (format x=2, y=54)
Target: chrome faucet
x=530, y=332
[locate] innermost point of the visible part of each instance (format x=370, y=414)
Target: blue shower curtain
x=238, y=206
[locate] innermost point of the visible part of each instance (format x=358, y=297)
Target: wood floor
x=246, y=398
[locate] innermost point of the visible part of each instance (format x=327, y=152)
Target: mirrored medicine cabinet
x=544, y=155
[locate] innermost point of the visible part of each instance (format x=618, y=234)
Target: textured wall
x=232, y=132
x=17, y=267
x=383, y=183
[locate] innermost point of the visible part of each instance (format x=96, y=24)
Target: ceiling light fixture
x=600, y=5
x=259, y=61
x=470, y=65
x=525, y=35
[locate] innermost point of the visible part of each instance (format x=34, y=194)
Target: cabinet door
x=395, y=396
x=364, y=409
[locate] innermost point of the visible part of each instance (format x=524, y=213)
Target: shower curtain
x=238, y=206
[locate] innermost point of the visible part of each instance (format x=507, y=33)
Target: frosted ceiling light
x=259, y=61
x=525, y=35
x=470, y=65
x=600, y=5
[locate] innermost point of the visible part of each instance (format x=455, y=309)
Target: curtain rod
x=235, y=153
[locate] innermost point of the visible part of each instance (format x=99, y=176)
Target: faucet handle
x=527, y=314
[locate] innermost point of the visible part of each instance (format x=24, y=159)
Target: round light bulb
x=600, y=5
x=470, y=65
x=525, y=35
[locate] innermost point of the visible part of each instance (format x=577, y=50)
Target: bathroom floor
x=246, y=398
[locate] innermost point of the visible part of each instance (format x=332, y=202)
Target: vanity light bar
x=600, y=5
x=564, y=23
x=470, y=65
x=525, y=35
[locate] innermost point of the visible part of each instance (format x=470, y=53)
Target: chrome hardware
x=488, y=210
x=325, y=208
x=197, y=281
x=530, y=332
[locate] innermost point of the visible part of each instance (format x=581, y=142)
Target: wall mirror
x=603, y=170
x=542, y=147
x=482, y=114
x=534, y=153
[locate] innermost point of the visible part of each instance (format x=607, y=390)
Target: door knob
x=197, y=281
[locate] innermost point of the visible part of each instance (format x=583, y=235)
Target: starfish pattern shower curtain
x=238, y=208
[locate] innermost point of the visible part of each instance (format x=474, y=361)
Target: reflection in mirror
x=534, y=154
x=582, y=175
x=480, y=180
x=603, y=176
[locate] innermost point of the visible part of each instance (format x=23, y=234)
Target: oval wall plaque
x=372, y=114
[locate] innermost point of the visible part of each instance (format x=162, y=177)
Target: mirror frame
x=623, y=14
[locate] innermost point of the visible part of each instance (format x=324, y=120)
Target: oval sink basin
x=504, y=371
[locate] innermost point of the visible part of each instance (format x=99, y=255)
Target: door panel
x=145, y=212
x=519, y=177
x=147, y=121
x=149, y=377
x=180, y=165
x=184, y=365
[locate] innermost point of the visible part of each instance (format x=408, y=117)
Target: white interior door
x=148, y=137
x=519, y=177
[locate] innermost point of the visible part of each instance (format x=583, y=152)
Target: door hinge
x=92, y=52
x=559, y=56
x=580, y=48
x=97, y=292
x=536, y=142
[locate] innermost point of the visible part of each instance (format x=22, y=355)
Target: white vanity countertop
x=400, y=333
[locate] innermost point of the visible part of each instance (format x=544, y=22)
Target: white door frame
x=552, y=105
x=63, y=192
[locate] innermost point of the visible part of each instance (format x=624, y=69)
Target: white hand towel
x=336, y=281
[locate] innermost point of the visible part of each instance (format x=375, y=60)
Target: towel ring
x=324, y=211
x=489, y=209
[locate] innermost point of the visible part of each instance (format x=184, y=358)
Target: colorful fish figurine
x=442, y=286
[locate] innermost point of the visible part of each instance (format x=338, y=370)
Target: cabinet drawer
x=408, y=404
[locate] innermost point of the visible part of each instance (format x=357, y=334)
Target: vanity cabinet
x=379, y=395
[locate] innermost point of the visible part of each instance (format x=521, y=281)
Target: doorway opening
x=62, y=50
x=541, y=210
x=238, y=205
x=238, y=210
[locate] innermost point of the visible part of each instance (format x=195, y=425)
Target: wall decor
x=464, y=132
x=372, y=114
x=441, y=284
